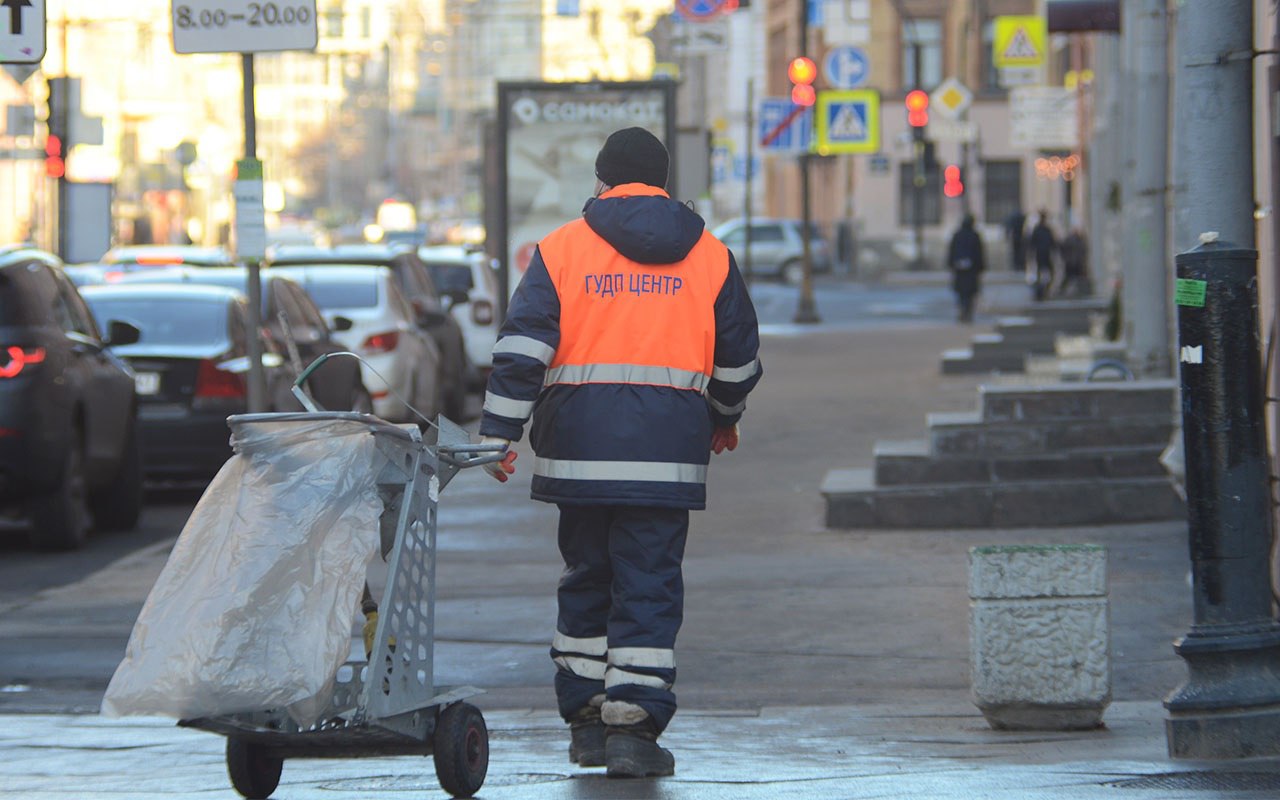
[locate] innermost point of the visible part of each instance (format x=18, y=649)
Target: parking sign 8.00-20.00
x=237, y=26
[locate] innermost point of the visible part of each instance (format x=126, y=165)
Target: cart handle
x=476, y=454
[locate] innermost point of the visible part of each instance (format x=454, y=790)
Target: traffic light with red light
x=917, y=103
x=802, y=72
x=55, y=165
x=952, y=181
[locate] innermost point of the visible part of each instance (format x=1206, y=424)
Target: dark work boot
x=586, y=747
x=632, y=751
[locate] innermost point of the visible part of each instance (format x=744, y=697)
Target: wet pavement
x=933, y=748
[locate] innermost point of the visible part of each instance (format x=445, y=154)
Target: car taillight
x=482, y=312
x=381, y=342
x=214, y=382
x=19, y=359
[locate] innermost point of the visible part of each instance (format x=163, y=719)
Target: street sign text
x=236, y=26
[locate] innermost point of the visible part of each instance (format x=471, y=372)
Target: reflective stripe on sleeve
x=618, y=677
x=587, y=668
x=595, y=646
x=728, y=411
x=525, y=346
x=664, y=471
x=736, y=374
x=648, y=657
x=507, y=407
x=627, y=373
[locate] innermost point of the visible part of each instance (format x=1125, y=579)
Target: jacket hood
x=644, y=224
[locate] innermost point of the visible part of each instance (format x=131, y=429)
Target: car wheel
x=793, y=272
x=60, y=519
x=119, y=504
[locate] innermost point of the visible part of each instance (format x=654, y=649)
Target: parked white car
x=469, y=279
x=402, y=359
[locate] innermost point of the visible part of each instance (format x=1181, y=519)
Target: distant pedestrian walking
x=1015, y=231
x=966, y=260
x=1075, y=265
x=1043, y=245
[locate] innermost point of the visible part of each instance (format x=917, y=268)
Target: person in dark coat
x=1015, y=231
x=1043, y=245
x=632, y=344
x=1075, y=264
x=966, y=259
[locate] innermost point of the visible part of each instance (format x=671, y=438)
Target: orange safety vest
x=626, y=322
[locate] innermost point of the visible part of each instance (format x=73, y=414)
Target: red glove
x=724, y=439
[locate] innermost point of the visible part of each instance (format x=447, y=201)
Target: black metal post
x=747, y=199
x=806, y=308
x=253, y=291
x=1229, y=707
x=918, y=164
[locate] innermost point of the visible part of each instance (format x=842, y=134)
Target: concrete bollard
x=1040, y=649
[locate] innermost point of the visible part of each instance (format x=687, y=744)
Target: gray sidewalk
x=813, y=663
x=935, y=748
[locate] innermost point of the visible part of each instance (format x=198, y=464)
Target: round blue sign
x=846, y=67
x=702, y=9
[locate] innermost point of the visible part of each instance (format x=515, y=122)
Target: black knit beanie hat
x=633, y=155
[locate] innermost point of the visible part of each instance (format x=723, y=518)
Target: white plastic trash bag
x=254, y=607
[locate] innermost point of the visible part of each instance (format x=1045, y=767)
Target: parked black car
x=191, y=369
x=336, y=385
x=418, y=287
x=68, y=435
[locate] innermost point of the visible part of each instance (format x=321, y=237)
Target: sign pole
x=257, y=377
x=746, y=196
x=806, y=308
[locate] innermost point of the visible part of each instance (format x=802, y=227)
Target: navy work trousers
x=621, y=601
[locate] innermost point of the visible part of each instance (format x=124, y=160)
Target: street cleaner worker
x=632, y=343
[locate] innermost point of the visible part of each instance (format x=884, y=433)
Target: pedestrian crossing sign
x=1020, y=41
x=847, y=121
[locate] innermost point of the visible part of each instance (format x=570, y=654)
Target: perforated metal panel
x=400, y=676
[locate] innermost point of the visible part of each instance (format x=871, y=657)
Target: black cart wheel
x=461, y=749
x=255, y=773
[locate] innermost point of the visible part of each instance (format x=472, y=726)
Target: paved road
x=927, y=299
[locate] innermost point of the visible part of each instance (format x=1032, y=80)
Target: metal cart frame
x=390, y=704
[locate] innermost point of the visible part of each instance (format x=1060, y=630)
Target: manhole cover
x=1204, y=781
x=428, y=783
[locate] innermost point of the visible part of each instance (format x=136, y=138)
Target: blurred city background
x=395, y=106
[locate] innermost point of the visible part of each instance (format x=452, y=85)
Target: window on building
x=931, y=195
x=332, y=22
x=990, y=78
x=927, y=34
x=1002, y=190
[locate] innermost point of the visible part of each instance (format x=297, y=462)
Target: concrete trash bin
x=1040, y=652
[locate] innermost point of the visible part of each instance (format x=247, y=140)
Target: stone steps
x=1034, y=332
x=1056, y=454
x=855, y=501
x=911, y=463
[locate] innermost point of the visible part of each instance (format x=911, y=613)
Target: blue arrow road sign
x=846, y=67
x=795, y=136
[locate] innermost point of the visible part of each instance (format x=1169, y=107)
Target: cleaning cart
x=389, y=704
